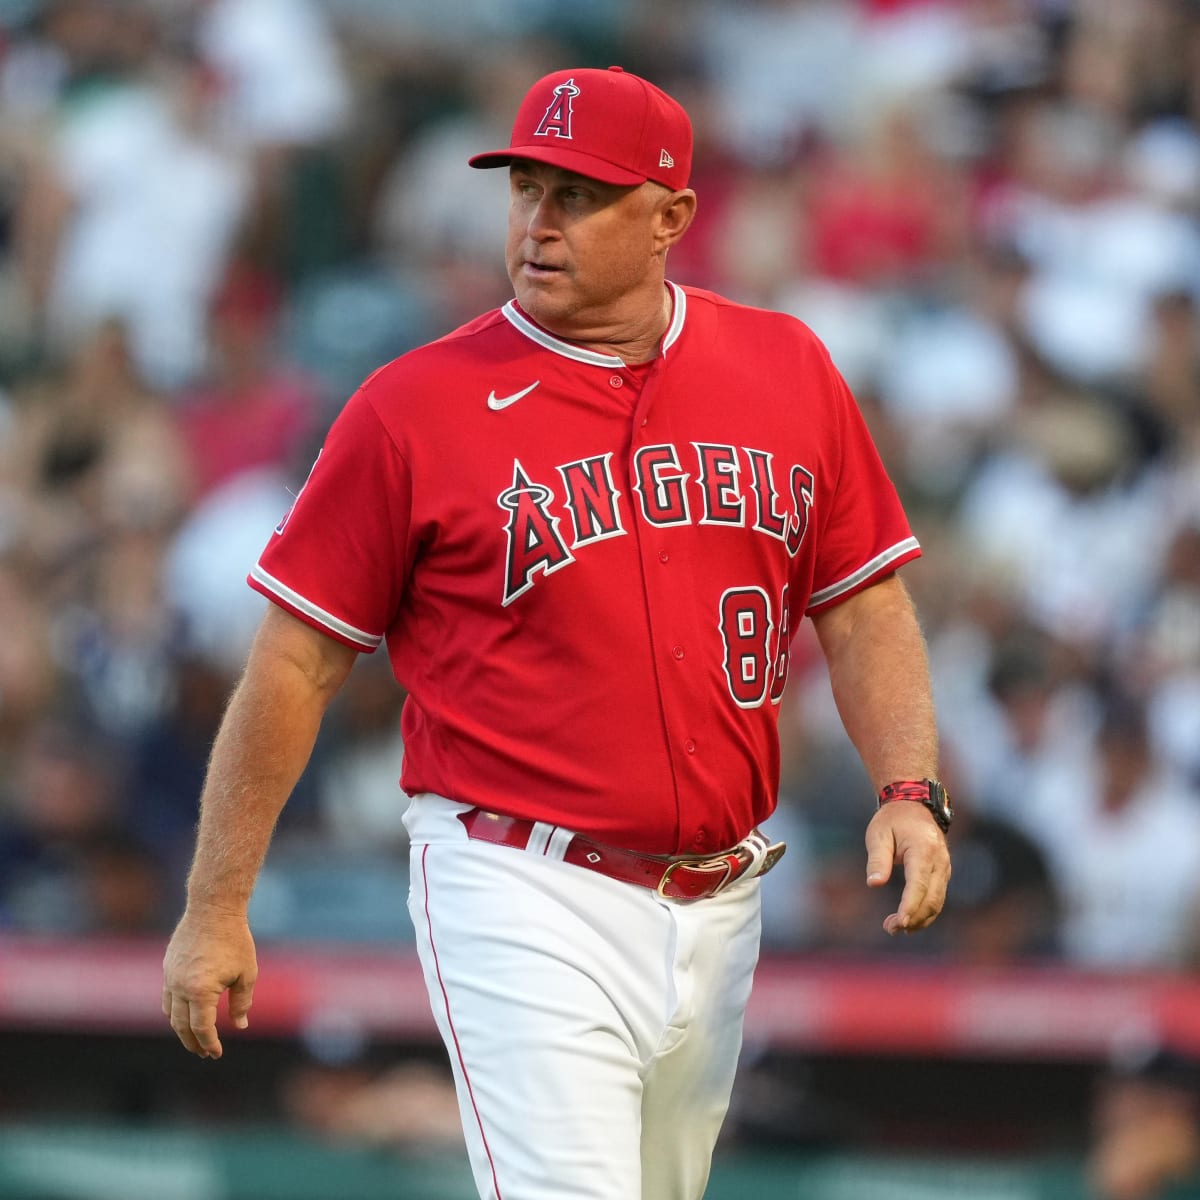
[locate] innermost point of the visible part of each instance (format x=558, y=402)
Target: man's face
x=582, y=255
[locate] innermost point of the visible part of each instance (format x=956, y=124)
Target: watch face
x=940, y=799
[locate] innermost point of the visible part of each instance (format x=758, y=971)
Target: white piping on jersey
x=593, y=357
x=864, y=572
x=677, y=317
x=336, y=624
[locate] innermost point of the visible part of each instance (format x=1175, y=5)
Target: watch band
x=927, y=792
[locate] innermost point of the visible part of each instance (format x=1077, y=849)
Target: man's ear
x=675, y=214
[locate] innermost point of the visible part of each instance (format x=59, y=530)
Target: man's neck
x=633, y=342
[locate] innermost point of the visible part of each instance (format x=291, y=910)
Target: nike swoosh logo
x=496, y=403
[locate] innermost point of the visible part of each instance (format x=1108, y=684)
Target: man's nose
x=543, y=220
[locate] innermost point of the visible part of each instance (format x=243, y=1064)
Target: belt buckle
x=773, y=854
x=703, y=865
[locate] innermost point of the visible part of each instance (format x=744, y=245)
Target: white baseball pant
x=593, y=1027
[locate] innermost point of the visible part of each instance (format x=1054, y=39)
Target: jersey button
x=690, y=746
x=677, y=651
x=616, y=381
x=663, y=556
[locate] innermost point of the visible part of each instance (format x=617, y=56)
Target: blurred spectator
x=1123, y=836
x=1102, y=241
x=281, y=96
x=357, y=782
x=90, y=449
x=949, y=380
x=1164, y=654
x=125, y=892
x=779, y=71
x=1004, y=908
x=168, y=756
x=129, y=209
x=757, y=235
x=61, y=803
x=277, y=68
x=342, y=324
x=252, y=410
x=114, y=643
x=1145, y=1127
x=211, y=555
x=97, y=480
x=407, y=1106
x=1024, y=720
x=1064, y=510
x=889, y=210
x=1172, y=369
x=27, y=675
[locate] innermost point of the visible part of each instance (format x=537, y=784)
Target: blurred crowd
x=217, y=216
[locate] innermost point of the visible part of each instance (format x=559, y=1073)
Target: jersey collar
x=536, y=333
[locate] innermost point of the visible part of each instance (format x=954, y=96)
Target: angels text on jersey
x=549, y=522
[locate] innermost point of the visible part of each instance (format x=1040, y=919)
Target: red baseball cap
x=608, y=125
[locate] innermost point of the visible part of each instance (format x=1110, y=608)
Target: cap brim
x=561, y=156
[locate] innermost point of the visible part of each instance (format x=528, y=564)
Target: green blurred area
x=91, y=1162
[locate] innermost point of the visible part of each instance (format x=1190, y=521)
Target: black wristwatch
x=928, y=792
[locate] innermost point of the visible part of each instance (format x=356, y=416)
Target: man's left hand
x=905, y=834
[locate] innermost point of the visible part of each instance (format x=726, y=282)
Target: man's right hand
x=211, y=951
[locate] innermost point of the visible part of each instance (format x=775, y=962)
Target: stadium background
x=216, y=216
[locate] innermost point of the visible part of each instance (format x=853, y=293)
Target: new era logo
x=665, y=160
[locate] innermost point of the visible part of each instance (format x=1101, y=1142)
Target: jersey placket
x=669, y=599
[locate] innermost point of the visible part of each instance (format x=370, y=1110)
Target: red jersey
x=588, y=574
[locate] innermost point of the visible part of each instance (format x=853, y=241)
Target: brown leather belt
x=675, y=877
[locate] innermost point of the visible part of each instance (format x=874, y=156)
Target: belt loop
x=556, y=846
x=540, y=836
x=756, y=845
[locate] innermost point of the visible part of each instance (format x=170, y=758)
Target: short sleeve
x=865, y=533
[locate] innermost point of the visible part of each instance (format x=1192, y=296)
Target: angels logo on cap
x=608, y=125
x=557, y=120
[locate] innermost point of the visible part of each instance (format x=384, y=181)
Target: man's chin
x=542, y=304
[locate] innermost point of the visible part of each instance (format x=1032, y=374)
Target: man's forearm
x=879, y=672
x=264, y=743
x=263, y=746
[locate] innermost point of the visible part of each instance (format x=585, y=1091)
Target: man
x=586, y=525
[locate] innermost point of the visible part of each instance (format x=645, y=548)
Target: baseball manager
x=586, y=527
